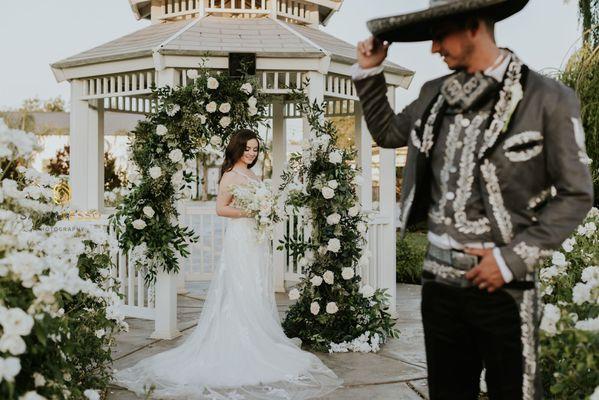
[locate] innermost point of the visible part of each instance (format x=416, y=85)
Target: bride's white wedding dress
x=238, y=349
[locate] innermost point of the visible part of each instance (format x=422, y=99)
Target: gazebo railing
x=125, y=84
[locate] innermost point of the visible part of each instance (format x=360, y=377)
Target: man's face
x=454, y=44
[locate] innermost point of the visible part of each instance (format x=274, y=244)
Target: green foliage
x=188, y=119
x=305, y=183
x=569, y=345
x=410, y=254
x=582, y=75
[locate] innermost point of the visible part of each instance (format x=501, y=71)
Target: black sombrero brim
x=416, y=26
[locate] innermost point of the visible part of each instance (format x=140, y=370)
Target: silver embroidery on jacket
x=522, y=138
x=580, y=141
x=509, y=96
x=527, y=336
x=502, y=216
x=466, y=181
x=524, y=155
x=444, y=271
x=531, y=255
x=428, y=134
x=438, y=215
x=540, y=198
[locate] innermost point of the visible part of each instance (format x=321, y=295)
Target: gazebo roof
x=266, y=37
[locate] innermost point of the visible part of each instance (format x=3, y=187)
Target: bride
x=238, y=349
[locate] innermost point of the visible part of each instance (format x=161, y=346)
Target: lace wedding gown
x=238, y=349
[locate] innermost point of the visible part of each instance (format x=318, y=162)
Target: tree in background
x=582, y=75
x=113, y=176
x=22, y=119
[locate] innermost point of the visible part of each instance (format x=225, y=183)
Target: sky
x=38, y=32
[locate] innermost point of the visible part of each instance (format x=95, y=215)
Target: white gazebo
x=289, y=46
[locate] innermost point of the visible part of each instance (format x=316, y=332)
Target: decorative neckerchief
x=462, y=91
x=509, y=96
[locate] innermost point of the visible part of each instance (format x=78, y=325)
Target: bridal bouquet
x=258, y=199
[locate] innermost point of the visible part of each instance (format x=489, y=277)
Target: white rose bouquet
x=259, y=200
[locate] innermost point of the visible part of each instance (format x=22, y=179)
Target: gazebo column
x=165, y=324
x=86, y=171
x=363, y=142
x=279, y=158
x=387, y=210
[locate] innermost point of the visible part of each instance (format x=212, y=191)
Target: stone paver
x=398, y=371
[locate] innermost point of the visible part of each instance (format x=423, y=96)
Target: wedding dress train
x=238, y=349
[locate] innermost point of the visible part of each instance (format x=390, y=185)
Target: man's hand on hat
x=486, y=275
x=372, y=52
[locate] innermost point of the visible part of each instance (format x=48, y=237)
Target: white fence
x=138, y=299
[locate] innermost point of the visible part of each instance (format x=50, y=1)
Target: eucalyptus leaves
x=189, y=120
x=334, y=311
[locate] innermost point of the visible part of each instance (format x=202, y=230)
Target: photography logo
x=62, y=193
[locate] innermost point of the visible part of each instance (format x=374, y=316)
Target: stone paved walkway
x=398, y=371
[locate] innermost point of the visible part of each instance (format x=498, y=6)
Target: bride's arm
x=224, y=198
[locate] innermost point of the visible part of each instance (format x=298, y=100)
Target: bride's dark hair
x=236, y=148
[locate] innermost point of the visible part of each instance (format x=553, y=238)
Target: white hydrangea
x=329, y=277
x=161, y=130
x=347, y=273
x=551, y=316
x=332, y=307
x=15, y=321
x=590, y=325
x=569, y=244
x=212, y=83
x=333, y=245
x=581, y=293
x=314, y=308
x=591, y=275
x=559, y=259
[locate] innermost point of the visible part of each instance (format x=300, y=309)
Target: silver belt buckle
x=463, y=261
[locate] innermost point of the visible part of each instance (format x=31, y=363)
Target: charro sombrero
x=416, y=26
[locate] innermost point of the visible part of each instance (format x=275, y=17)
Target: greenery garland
x=334, y=312
x=186, y=121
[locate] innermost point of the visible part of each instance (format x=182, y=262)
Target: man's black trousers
x=466, y=329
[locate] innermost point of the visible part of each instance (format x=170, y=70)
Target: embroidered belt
x=450, y=267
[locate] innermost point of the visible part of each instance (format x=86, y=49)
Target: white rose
x=294, y=294
x=247, y=88
x=155, y=172
x=32, y=395
x=551, y=316
x=329, y=277
x=252, y=111
x=591, y=325
x=361, y=227
x=12, y=344
x=100, y=333
x=139, y=224
x=347, y=273
x=327, y=192
x=332, y=307
x=9, y=368
x=581, y=293
x=334, y=245
x=314, y=308
x=316, y=280
x=335, y=157
x=367, y=291
x=175, y=155
x=333, y=219
x=173, y=110
x=568, y=244
x=353, y=211
x=202, y=118
x=559, y=259
x=212, y=83
x=16, y=321
x=216, y=141
x=224, y=108
x=92, y=394
x=192, y=73
x=38, y=379
x=590, y=228
x=333, y=184
x=225, y=121
x=590, y=275
x=161, y=130
x=211, y=107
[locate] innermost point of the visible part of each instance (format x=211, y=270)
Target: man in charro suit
x=498, y=170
